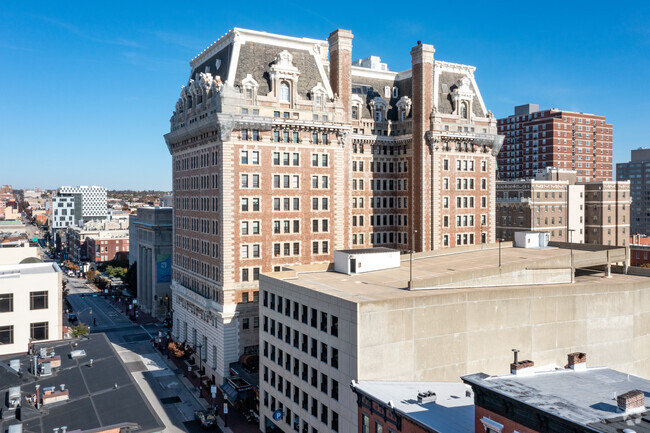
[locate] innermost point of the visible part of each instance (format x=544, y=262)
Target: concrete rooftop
x=434, y=269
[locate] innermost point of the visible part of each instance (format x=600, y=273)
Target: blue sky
x=88, y=87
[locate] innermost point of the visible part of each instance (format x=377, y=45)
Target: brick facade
x=292, y=157
x=555, y=138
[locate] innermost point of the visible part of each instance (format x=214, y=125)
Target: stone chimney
x=631, y=402
x=577, y=361
x=420, y=191
x=340, y=50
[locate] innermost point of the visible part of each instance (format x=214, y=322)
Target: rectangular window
x=39, y=331
x=6, y=334
x=38, y=300
x=6, y=302
x=244, y=157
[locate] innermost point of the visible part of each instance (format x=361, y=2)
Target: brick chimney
x=420, y=191
x=340, y=50
x=631, y=402
x=522, y=368
x=577, y=361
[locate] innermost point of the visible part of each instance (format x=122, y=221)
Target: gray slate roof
x=255, y=59
x=447, y=83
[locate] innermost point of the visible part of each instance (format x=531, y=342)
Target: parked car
x=206, y=419
x=72, y=317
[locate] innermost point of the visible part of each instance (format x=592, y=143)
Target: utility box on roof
x=365, y=260
x=532, y=239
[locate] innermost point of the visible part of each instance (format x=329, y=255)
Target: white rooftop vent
x=365, y=260
x=77, y=353
x=16, y=428
x=15, y=364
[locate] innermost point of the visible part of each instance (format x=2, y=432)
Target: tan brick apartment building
x=537, y=139
x=586, y=212
x=284, y=150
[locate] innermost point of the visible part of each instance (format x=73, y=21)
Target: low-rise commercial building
x=575, y=398
x=30, y=299
x=414, y=407
x=78, y=386
x=465, y=310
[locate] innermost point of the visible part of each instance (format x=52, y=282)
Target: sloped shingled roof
x=448, y=81
x=255, y=59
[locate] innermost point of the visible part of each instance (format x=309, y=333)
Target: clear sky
x=87, y=88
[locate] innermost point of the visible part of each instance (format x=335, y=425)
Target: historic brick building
x=284, y=150
x=637, y=171
x=537, y=139
x=586, y=212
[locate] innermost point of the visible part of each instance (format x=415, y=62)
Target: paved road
x=168, y=394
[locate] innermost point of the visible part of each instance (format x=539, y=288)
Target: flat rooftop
x=444, y=266
x=585, y=397
x=452, y=412
x=99, y=396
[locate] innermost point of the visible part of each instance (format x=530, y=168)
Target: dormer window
x=250, y=87
x=318, y=94
x=463, y=110
x=285, y=95
x=378, y=105
x=404, y=107
x=356, y=103
x=387, y=91
x=395, y=92
x=283, y=77
x=378, y=115
x=355, y=112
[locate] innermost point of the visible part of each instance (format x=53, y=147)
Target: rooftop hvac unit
x=16, y=428
x=77, y=353
x=14, y=397
x=46, y=369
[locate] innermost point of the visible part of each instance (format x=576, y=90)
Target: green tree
x=79, y=330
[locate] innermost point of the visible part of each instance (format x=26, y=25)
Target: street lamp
x=411, y=261
x=571, y=246
x=500, y=240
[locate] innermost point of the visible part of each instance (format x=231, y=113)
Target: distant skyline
x=88, y=88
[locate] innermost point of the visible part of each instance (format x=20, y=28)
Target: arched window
x=284, y=92
x=463, y=110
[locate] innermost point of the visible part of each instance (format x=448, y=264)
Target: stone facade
x=152, y=227
x=280, y=157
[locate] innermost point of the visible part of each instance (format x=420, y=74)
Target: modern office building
x=566, y=398
x=466, y=309
x=151, y=245
x=30, y=299
x=537, y=139
x=637, y=171
x=77, y=205
x=283, y=150
x=587, y=212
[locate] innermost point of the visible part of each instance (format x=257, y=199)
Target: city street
x=165, y=387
